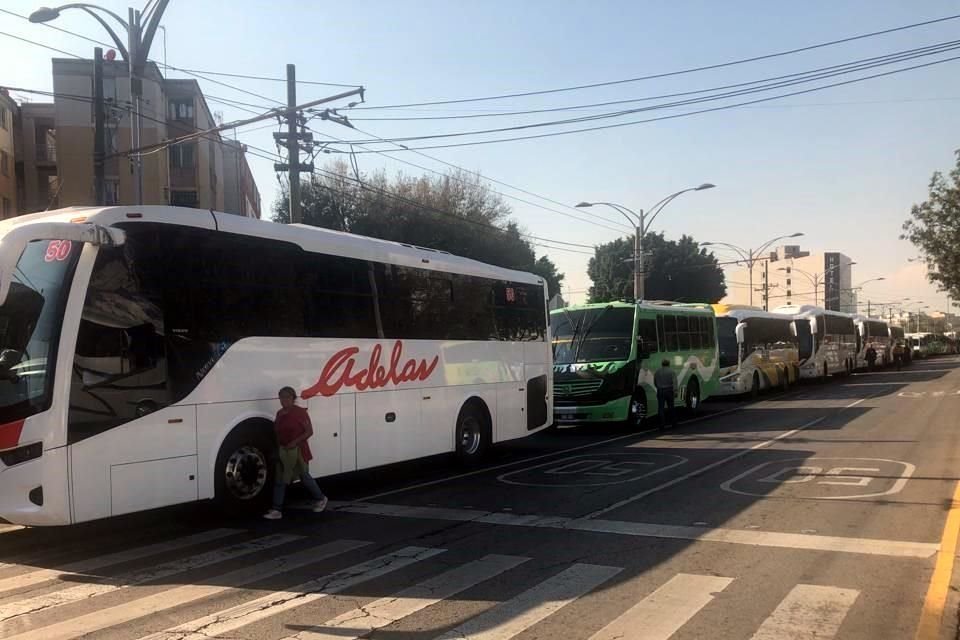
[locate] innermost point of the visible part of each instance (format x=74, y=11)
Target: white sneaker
x=320, y=505
x=273, y=514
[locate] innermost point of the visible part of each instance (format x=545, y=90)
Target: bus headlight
x=22, y=454
x=733, y=377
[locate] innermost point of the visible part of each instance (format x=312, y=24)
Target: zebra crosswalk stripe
x=37, y=576
x=512, y=617
x=808, y=611
x=663, y=612
x=272, y=604
x=358, y=622
x=172, y=598
x=47, y=601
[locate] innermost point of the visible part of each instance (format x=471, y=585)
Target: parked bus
x=918, y=344
x=758, y=350
x=872, y=332
x=605, y=356
x=827, y=340
x=143, y=348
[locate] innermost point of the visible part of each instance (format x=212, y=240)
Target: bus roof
x=742, y=312
x=807, y=310
x=313, y=239
x=648, y=305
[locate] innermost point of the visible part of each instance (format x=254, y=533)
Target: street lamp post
x=859, y=287
x=750, y=256
x=134, y=53
x=816, y=279
x=640, y=225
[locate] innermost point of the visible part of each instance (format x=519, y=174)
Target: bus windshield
x=30, y=322
x=592, y=335
x=727, y=341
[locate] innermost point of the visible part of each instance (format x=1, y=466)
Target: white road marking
x=361, y=621
x=272, y=604
x=106, y=585
x=599, y=466
x=896, y=487
x=10, y=528
x=663, y=612
x=808, y=611
x=99, y=562
x=868, y=546
x=701, y=470
x=515, y=616
x=172, y=598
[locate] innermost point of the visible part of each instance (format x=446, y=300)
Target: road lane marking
x=360, y=621
x=518, y=614
x=99, y=562
x=598, y=466
x=172, y=598
x=840, y=475
x=663, y=612
x=808, y=611
x=272, y=604
x=505, y=465
x=700, y=471
x=867, y=546
x=47, y=601
x=936, y=599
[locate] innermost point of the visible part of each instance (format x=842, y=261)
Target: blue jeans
x=280, y=490
x=664, y=405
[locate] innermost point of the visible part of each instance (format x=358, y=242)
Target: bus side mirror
x=740, y=331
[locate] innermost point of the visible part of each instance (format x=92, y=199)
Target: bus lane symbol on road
x=594, y=470
x=825, y=478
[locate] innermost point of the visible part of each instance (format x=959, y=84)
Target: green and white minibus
x=605, y=355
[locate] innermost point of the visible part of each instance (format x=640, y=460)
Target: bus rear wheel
x=472, y=434
x=755, y=385
x=784, y=380
x=245, y=470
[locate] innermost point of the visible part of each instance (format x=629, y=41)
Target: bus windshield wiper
x=588, y=329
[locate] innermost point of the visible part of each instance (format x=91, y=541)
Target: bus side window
x=661, y=336
x=647, y=336
x=670, y=330
x=683, y=332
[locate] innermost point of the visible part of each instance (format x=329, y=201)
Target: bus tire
x=691, y=397
x=784, y=380
x=826, y=373
x=636, y=411
x=245, y=469
x=472, y=434
x=755, y=386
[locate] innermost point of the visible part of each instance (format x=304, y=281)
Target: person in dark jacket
x=665, y=380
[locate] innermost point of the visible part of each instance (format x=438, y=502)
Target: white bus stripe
x=99, y=562
x=808, y=612
x=514, y=616
x=172, y=598
x=271, y=604
x=663, y=612
x=358, y=622
x=9, y=528
x=106, y=585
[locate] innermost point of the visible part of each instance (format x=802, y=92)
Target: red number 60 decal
x=58, y=250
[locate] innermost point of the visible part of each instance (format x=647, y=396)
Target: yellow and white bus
x=758, y=350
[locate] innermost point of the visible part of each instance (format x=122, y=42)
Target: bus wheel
x=826, y=373
x=755, y=385
x=245, y=470
x=692, y=396
x=472, y=434
x=784, y=380
x=637, y=412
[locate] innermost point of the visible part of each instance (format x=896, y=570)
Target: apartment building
x=8, y=169
x=54, y=160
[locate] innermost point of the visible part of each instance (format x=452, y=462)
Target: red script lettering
x=339, y=371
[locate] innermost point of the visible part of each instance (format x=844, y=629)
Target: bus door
x=130, y=448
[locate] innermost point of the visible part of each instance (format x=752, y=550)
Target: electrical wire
x=671, y=73
x=39, y=44
x=672, y=116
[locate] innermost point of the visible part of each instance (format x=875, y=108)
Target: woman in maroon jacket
x=293, y=429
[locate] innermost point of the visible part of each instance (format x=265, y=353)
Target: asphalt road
x=825, y=512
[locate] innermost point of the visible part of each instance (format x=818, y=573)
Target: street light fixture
x=640, y=224
x=860, y=287
x=135, y=54
x=750, y=256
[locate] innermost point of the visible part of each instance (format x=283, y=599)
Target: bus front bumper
x=734, y=386
x=613, y=411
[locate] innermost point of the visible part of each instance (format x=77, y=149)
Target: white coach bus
x=827, y=340
x=872, y=332
x=141, y=351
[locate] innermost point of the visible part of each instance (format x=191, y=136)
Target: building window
x=7, y=210
x=184, y=198
x=788, y=269
x=788, y=282
x=788, y=292
x=4, y=163
x=111, y=192
x=4, y=118
x=182, y=156
x=181, y=109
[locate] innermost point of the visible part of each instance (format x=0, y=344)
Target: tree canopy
x=934, y=228
x=458, y=213
x=676, y=270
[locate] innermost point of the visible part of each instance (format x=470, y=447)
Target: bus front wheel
x=472, y=434
x=245, y=469
x=692, y=396
x=637, y=412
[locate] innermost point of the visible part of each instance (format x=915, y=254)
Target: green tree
x=458, y=213
x=934, y=228
x=676, y=270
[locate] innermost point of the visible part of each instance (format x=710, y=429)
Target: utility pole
x=868, y=307
x=292, y=138
x=136, y=94
x=638, y=262
x=766, y=285
x=99, y=187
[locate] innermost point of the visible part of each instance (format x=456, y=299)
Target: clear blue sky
x=841, y=165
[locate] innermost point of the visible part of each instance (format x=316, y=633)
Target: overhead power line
x=672, y=116
x=668, y=74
